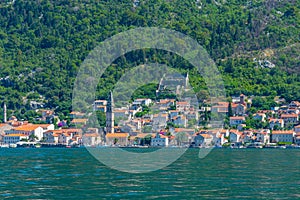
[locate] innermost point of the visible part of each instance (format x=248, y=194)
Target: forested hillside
x=43, y=43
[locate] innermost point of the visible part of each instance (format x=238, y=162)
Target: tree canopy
x=43, y=43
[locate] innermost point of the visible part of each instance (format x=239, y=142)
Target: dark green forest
x=44, y=42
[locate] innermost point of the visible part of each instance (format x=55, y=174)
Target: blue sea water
x=223, y=174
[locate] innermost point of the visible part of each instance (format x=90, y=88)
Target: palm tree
x=32, y=138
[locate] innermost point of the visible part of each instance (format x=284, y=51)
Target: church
x=112, y=137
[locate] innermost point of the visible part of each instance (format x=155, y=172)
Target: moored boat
x=12, y=145
x=4, y=146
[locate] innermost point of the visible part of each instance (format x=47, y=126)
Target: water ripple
x=223, y=174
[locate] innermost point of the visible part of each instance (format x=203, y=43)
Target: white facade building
x=283, y=136
x=160, y=141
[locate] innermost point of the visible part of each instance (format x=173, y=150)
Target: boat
x=4, y=146
x=256, y=145
x=12, y=145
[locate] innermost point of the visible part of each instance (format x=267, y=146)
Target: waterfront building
x=160, y=140
x=297, y=139
x=119, y=139
x=31, y=129
x=203, y=140
x=235, y=136
x=283, y=136
x=14, y=138
x=297, y=129
x=263, y=136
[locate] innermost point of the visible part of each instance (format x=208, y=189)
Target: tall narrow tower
x=4, y=113
x=110, y=114
x=186, y=80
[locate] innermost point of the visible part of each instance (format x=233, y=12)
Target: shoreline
x=143, y=147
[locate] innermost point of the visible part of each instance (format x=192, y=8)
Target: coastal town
x=176, y=121
x=173, y=126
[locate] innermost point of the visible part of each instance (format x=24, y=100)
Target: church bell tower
x=110, y=114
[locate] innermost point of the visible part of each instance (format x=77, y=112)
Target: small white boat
x=4, y=146
x=12, y=145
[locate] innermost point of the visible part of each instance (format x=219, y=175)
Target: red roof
x=283, y=132
x=289, y=116
x=237, y=118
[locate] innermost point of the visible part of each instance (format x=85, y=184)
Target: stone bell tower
x=110, y=114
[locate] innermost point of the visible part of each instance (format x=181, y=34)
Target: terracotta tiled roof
x=289, y=116
x=66, y=134
x=182, y=103
x=15, y=135
x=142, y=135
x=183, y=130
x=2, y=124
x=120, y=111
x=207, y=136
x=283, y=132
x=27, y=127
x=235, y=132
x=276, y=120
x=117, y=135
x=79, y=120
x=76, y=113
x=161, y=115
x=237, y=118
x=90, y=135
x=163, y=101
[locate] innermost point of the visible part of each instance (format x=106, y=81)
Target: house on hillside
x=260, y=117
x=180, y=121
x=290, y=118
x=182, y=106
x=234, y=121
x=294, y=104
x=79, y=122
x=100, y=105
x=276, y=122
x=297, y=128
x=75, y=114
